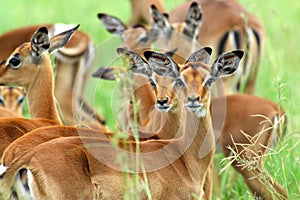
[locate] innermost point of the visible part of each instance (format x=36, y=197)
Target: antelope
x=260, y=120
x=12, y=101
x=140, y=67
x=72, y=61
x=96, y=177
x=261, y=133
x=140, y=38
x=30, y=66
x=255, y=33
x=140, y=11
x=227, y=25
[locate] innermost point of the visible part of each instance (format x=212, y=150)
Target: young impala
x=226, y=26
x=11, y=101
x=177, y=172
x=30, y=66
x=72, y=61
x=260, y=120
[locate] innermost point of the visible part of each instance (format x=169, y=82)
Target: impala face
x=30, y=56
x=12, y=98
x=197, y=95
x=199, y=77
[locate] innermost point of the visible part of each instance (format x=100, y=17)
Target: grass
x=278, y=71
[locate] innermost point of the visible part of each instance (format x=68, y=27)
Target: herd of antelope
x=180, y=110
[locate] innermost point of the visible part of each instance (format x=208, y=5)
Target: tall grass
x=279, y=67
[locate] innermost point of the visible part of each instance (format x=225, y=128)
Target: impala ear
x=225, y=65
x=138, y=64
x=61, y=39
x=160, y=23
x=163, y=65
x=109, y=73
x=202, y=55
x=40, y=42
x=112, y=24
x=193, y=21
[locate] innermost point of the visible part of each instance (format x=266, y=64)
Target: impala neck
x=147, y=100
x=172, y=124
x=40, y=93
x=199, y=139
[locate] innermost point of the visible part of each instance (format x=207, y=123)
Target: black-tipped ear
x=138, y=64
x=40, y=43
x=202, y=55
x=238, y=53
x=43, y=30
x=193, y=21
x=162, y=64
x=109, y=73
x=225, y=65
x=61, y=39
x=112, y=24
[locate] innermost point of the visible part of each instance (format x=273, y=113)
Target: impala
x=261, y=120
x=30, y=66
x=140, y=67
x=226, y=26
x=180, y=179
x=73, y=61
x=166, y=36
x=11, y=101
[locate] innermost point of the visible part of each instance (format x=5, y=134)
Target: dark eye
x=14, y=62
x=2, y=101
x=21, y=99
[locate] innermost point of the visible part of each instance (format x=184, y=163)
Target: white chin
x=201, y=113
x=164, y=108
x=193, y=109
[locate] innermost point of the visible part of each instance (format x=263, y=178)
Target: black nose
x=162, y=102
x=193, y=99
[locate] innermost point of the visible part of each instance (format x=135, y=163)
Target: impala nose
x=193, y=99
x=162, y=101
x=162, y=104
x=193, y=104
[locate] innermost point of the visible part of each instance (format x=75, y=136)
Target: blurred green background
x=278, y=74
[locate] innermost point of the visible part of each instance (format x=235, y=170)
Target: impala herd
x=179, y=107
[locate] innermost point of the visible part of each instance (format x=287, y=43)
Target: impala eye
x=14, y=62
x=21, y=99
x=2, y=101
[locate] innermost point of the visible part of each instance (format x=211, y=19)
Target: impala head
x=199, y=77
x=178, y=35
x=134, y=37
x=23, y=64
x=166, y=82
x=12, y=98
x=189, y=28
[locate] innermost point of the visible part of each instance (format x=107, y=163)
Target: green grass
x=280, y=63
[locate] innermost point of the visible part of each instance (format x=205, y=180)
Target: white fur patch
x=59, y=28
x=2, y=169
x=201, y=113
